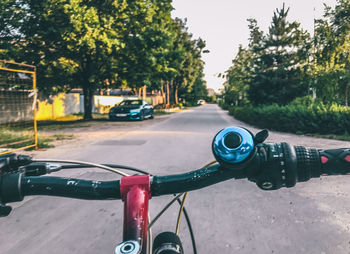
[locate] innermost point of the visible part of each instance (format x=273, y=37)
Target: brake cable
x=111, y=168
x=84, y=163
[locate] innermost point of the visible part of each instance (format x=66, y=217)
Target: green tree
x=11, y=17
x=332, y=54
x=280, y=60
x=238, y=78
x=145, y=35
x=197, y=91
x=178, y=60
x=72, y=42
x=189, y=63
x=78, y=43
x=91, y=44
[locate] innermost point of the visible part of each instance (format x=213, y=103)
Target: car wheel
x=142, y=116
x=152, y=116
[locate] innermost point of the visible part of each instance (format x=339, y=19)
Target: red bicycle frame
x=135, y=193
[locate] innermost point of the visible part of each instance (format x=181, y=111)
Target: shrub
x=223, y=105
x=301, y=116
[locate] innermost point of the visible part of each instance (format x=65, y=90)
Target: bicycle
x=239, y=154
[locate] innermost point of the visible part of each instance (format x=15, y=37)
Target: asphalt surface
x=231, y=217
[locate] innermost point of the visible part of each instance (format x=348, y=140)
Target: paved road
x=230, y=217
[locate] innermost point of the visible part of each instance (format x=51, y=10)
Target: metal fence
x=18, y=127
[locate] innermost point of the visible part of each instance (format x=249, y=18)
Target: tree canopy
x=286, y=62
x=92, y=44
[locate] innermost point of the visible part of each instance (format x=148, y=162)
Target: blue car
x=131, y=110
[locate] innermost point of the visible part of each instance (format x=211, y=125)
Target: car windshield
x=131, y=103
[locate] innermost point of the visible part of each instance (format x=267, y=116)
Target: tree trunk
x=144, y=92
x=346, y=94
x=87, y=88
x=88, y=99
x=162, y=91
x=172, y=93
x=140, y=92
x=167, y=94
x=109, y=86
x=176, y=95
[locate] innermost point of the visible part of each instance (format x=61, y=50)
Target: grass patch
x=66, y=122
x=62, y=136
x=58, y=125
x=43, y=142
x=80, y=117
x=100, y=116
x=158, y=112
x=69, y=121
x=17, y=139
x=161, y=112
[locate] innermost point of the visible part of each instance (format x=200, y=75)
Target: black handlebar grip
x=10, y=188
x=308, y=163
x=285, y=165
x=335, y=161
x=10, y=163
x=9, y=191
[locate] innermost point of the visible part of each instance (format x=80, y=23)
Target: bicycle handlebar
x=15, y=186
x=58, y=186
x=270, y=165
x=275, y=166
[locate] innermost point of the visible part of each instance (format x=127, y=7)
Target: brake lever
x=40, y=168
x=4, y=209
x=10, y=164
x=261, y=136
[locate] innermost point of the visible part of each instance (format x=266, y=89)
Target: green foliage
x=188, y=80
x=11, y=17
x=223, y=105
x=278, y=73
x=301, y=116
x=100, y=44
x=238, y=78
x=273, y=68
x=145, y=42
x=286, y=63
x=277, y=69
x=332, y=54
x=212, y=99
x=198, y=90
x=306, y=101
x=71, y=42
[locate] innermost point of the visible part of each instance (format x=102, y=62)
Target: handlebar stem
x=135, y=192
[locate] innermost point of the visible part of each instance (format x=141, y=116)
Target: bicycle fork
x=135, y=193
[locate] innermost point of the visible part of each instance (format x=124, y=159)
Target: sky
x=223, y=25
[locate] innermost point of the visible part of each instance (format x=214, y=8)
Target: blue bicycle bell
x=233, y=145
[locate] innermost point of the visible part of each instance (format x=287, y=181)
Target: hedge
x=315, y=118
